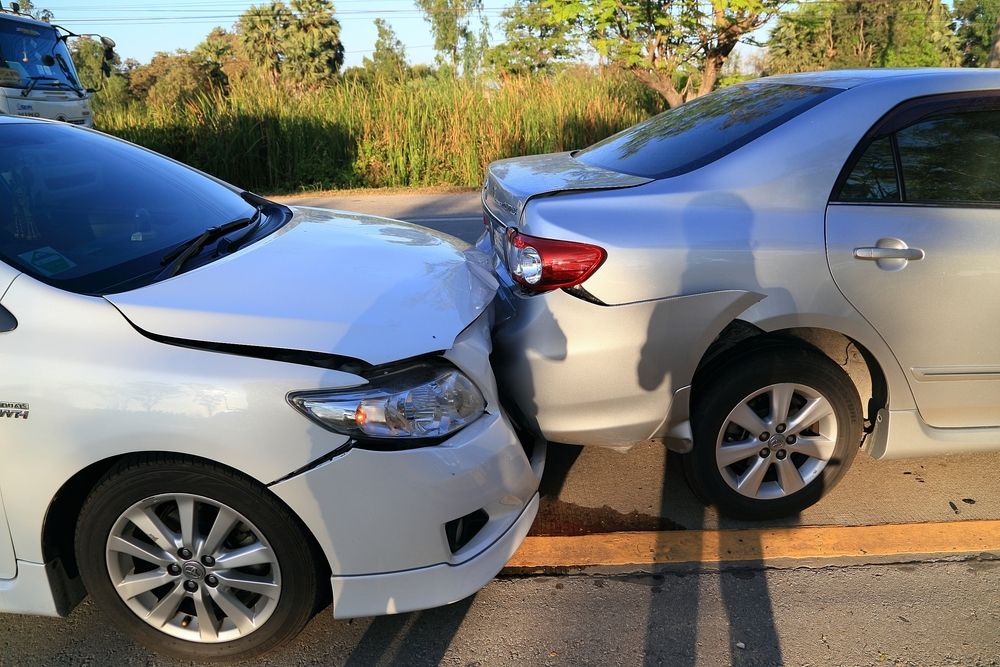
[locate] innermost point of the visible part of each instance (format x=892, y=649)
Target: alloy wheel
x=193, y=568
x=776, y=441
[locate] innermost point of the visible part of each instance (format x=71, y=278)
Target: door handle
x=878, y=253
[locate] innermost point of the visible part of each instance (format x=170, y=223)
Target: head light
x=427, y=401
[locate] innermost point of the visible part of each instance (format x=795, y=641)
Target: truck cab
x=37, y=75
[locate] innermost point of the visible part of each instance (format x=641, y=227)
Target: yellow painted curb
x=805, y=542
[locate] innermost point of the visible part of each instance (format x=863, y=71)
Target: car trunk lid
x=511, y=183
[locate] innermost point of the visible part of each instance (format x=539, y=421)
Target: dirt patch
x=557, y=517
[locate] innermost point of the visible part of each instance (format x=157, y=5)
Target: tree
x=533, y=41
x=300, y=43
x=869, y=33
x=994, y=59
x=28, y=7
x=262, y=30
x=88, y=56
x=449, y=21
x=977, y=25
x=388, y=61
x=675, y=47
x=169, y=79
x=220, y=57
x=313, y=52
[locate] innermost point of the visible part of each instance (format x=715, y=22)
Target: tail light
x=547, y=264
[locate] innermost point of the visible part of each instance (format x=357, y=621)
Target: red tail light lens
x=547, y=264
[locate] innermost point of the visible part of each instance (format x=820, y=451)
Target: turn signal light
x=547, y=264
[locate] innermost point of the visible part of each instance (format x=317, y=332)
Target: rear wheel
x=774, y=430
x=195, y=561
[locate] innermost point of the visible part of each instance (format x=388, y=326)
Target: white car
x=218, y=412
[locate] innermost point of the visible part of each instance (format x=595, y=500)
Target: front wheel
x=774, y=430
x=194, y=560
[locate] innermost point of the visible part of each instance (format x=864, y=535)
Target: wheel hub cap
x=798, y=429
x=193, y=571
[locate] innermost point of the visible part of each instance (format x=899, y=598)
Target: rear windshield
x=703, y=130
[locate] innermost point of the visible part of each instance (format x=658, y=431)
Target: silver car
x=766, y=279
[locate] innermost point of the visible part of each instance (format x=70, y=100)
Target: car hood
x=511, y=183
x=331, y=282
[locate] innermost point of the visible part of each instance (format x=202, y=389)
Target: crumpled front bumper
x=380, y=517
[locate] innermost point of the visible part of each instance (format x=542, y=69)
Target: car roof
x=851, y=78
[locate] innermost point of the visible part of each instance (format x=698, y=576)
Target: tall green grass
x=383, y=134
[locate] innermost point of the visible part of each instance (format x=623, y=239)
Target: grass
x=423, y=133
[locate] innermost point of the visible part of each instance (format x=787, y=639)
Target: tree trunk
x=994, y=58
x=662, y=84
x=710, y=74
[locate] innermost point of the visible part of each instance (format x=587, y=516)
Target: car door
x=8, y=565
x=913, y=241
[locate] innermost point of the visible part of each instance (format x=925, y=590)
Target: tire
x=807, y=449
x=130, y=533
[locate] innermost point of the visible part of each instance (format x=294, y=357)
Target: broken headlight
x=428, y=401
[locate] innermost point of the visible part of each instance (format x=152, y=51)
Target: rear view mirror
x=48, y=60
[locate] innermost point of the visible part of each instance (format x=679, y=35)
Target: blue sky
x=143, y=28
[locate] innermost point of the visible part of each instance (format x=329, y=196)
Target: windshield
x=34, y=53
x=95, y=215
x=703, y=130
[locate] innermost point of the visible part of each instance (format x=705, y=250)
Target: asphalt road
x=919, y=610
x=944, y=613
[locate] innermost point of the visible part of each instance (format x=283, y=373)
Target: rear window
x=703, y=130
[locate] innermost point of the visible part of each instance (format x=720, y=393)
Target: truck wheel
x=774, y=430
x=195, y=561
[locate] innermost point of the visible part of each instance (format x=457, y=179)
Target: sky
x=141, y=29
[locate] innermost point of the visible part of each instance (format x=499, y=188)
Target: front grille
x=460, y=531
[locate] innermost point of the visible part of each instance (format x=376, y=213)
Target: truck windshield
x=33, y=56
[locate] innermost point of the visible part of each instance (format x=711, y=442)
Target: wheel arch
x=740, y=337
x=63, y=513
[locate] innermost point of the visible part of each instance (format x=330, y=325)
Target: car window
x=88, y=213
x=703, y=130
x=952, y=158
x=874, y=176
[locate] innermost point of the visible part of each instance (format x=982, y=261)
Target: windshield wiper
x=69, y=75
x=176, y=258
x=34, y=81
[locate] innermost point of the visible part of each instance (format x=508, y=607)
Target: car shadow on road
x=410, y=640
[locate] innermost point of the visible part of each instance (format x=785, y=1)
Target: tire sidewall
x=125, y=487
x=729, y=382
